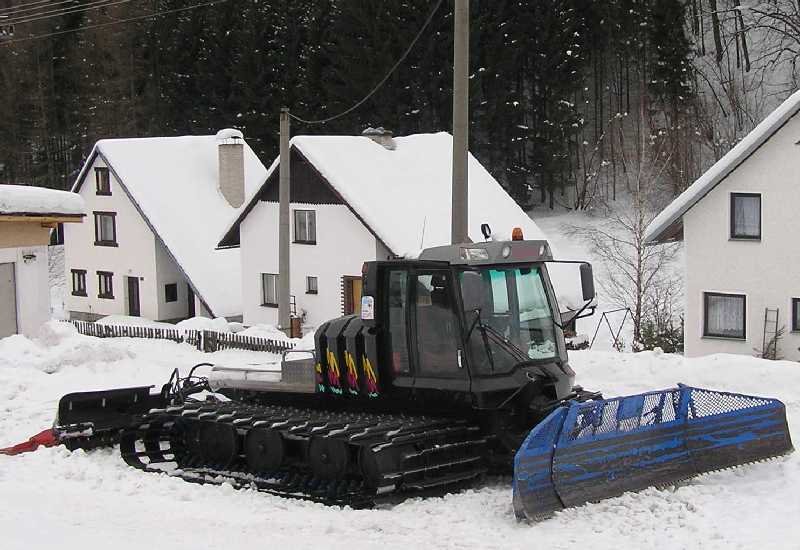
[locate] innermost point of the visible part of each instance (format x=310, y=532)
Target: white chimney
x=380, y=136
x=230, y=144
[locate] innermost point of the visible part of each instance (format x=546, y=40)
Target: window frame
x=707, y=334
x=264, y=301
x=311, y=218
x=100, y=276
x=795, y=317
x=81, y=278
x=167, y=299
x=309, y=289
x=99, y=242
x=99, y=190
x=733, y=235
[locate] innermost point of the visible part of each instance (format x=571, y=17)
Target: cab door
x=435, y=331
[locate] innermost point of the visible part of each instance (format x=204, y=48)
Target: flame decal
x=372, y=379
x=333, y=373
x=352, y=374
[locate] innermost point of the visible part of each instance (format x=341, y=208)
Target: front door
x=8, y=301
x=133, y=296
x=352, y=295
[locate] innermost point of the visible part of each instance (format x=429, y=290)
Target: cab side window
x=398, y=312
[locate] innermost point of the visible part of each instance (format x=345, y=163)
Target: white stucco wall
x=766, y=271
x=135, y=255
x=343, y=245
x=32, y=286
x=167, y=272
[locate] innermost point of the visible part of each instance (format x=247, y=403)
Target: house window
x=724, y=315
x=105, y=229
x=746, y=216
x=105, y=284
x=102, y=180
x=305, y=226
x=795, y=314
x=269, y=289
x=311, y=285
x=171, y=292
x=79, y=282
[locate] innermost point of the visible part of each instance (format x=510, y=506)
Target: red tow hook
x=46, y=438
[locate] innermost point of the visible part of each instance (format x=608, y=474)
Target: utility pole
x=460, y=206
x=284, y=287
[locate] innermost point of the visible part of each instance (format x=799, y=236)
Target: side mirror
x=587, y=282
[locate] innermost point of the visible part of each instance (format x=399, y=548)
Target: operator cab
x=474, y=318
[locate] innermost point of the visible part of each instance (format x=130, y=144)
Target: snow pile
x=754, y=506
x=27, y=199
x=128, y=321
x=57, y=346
x=220, y=324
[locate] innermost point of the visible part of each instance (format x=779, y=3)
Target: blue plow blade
x=586, y=452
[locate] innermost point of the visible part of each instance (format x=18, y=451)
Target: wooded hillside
x=563, y=92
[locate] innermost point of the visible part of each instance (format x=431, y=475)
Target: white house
x=27, y=215
x=354, y=199
x=157, y=207
x=740, y=230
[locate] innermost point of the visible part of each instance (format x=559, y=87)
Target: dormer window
x=102, y=181
x=746, y=216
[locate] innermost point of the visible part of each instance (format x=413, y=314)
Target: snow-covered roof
x=668, y=224
x=27, y=200
x=404, y=195
x=173, y=181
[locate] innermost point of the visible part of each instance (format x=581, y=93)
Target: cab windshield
x=510, y=315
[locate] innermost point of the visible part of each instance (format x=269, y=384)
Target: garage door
x=8, y=301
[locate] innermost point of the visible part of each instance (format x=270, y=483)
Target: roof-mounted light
x=516, y=234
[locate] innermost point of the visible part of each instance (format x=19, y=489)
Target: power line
x=21, y=9
x=62, y=11
x=383, y=80
x=99, y=25
x=12, y=8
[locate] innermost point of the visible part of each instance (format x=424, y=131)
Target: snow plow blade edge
x=589, y=451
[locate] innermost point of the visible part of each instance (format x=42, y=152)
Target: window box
x=746, y=216
x=724, y=315
x=102, y=181
x=305, y=227
x=312, y=285
x=105, y=284
x=105, y=229
x=79, y=282
x=269, y=290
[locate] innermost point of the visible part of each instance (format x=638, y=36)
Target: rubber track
x=436, y=454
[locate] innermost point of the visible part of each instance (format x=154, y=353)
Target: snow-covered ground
x=56, y=499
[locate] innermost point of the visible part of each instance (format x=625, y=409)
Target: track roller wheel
x=219, y=444
x=264, y=450
x=329, y=458
x=374, y=465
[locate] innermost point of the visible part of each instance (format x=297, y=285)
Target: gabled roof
x=403, y=196
x=668, y=225
x=27, y=200
x=173, y=182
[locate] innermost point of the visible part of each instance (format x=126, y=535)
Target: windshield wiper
x=479, y=323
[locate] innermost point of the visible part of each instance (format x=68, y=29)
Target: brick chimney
x=380, y=136
x=230, y=145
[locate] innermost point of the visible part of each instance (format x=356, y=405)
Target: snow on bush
x=220, y=324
